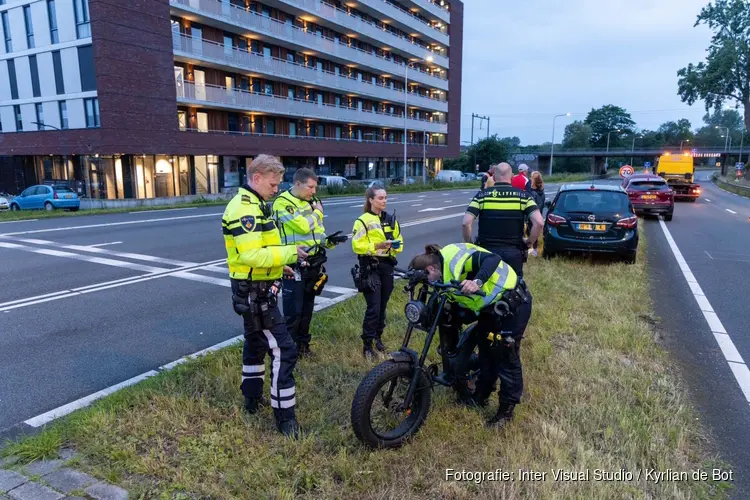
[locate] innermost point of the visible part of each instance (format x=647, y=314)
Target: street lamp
x=682, y=141
x=552, y=153
x=606, y=162
x=406, y=109
x=632, y=149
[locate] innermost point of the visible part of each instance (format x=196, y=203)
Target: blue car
x=46, y=197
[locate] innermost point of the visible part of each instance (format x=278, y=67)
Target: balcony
x=341, y=18
x=409, y=21
x=212, y=96
x=434, y=8
x=235, y=19
x=188, y=49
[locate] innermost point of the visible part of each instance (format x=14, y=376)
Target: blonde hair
x=536, y=180
x=430, y=257
x=369, y=195
x=265, y=164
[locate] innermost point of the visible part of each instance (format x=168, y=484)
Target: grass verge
x=741, y=188
x=600, y=395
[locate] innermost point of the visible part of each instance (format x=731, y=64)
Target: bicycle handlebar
x=453, y=285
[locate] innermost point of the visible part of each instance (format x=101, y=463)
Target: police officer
x=300, y=218
x=502, y=211
x=256, y=260
x=501, y=314
x=376, y=240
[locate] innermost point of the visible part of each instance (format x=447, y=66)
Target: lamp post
x=726, y=147
x=406, y=108
x=632, y=148
x=552, y=152
x=606, y=162
x=683, y=141
x=424, y=157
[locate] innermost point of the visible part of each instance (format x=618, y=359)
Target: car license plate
x=648, y=197
x=68, y=195
x=592, y=227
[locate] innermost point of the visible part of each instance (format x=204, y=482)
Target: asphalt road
x=713, y=236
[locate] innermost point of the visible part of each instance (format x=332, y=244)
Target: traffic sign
x=647, y=164
x=626, y=171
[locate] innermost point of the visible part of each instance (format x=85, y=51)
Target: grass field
x=600, y=394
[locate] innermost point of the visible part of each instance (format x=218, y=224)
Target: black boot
x=368, y=352
x=379, y=344
x=503, y=416
x=253, y=405
x=289, y=428
x=303, y=350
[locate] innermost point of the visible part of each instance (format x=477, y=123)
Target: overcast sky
x=525, y=62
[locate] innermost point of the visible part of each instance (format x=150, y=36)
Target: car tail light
x=628, y=222
x=555, y=220
x=55, y=196
x=664, y=195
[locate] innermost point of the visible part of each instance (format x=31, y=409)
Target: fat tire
x=369, y=389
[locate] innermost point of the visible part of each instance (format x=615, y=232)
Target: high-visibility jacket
x=299, y=224
x=457, y=264
x=254, y=247
x=369, y=230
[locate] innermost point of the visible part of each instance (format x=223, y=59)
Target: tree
x=714, y=133
x=673, y=133
x=607, y=119
x=577, y=135
x=484, y=153
x=725, y=75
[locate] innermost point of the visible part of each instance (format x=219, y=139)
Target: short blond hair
x=265, y=164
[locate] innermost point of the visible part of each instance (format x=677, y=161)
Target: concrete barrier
x=89, y=204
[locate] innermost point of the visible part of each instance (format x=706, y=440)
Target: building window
x=63, y=106
x=92, y=112
x=268, y=90
x=338, y=132
x=271, y=126
x=19, y=118
x=83, y=23
x=6, y=30
x=52, y=15
x=202, y=122
x=29, y=26
x=39, y=116
x=86, y=68
x=267, y=52
x=233, y=123
x=182, y=119
x=34, y=76
x=57, y=64
x=292, y=129
x=12, y=79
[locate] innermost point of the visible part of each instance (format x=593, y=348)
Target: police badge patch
x=248, y=223
x=290, y=209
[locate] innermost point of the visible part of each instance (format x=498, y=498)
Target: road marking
x=731, y=211
x=417, y=205
x=389, y=203
x=707, y=200
x=85, y=258
x=728, y=349
x=709, y=255
x=203, y=279
x=63, y=294
x=17, y=221
x=162, y=210
x=105, y=244
x=109, y=224
x=448, y=201
x=83, y=402
x=446, y=194
x=431, y=219
x=126, y=255
x=441, y=208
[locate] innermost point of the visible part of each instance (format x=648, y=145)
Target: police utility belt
x=511, y=300
x=256, y=300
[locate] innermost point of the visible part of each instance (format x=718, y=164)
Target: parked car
x=400, y=181
x=46, y=197
x=450, y=176
x=332, y=180
x=4, y=204
x=650, y=194
x=591, y=219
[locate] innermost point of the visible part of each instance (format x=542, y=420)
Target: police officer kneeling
x=501, y=314
x=256, y=260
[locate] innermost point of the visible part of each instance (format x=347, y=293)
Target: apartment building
x=151, y=98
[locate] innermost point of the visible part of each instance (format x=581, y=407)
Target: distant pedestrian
x=521, y=180
x=537, y=194
x=487, y=179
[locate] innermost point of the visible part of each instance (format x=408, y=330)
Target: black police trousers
x=275, y=341
x=377, y=301
x=299, y=302
x=513, y=256
x=498, y=360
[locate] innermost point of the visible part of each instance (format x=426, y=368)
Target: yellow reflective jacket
x=369, y=230
x=457, y=264
x=254, y=247
x=299, y=223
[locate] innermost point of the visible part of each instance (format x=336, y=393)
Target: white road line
x=17, y=221
x=109, y=224
x=448, y=201
x=728, y=349
x=339, y=289
x=203, y=279
x=389, y=203
x=417, y=205
x=112, y=253
x=161, y=210
x=105, y=244
x=731, y=211
x=85, y=258
x=707, y=200
x=709, y=255
x=431, y=219
x=442, y=208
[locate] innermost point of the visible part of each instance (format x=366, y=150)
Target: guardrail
x=732, y=187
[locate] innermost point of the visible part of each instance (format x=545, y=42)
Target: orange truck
x=679, y=172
